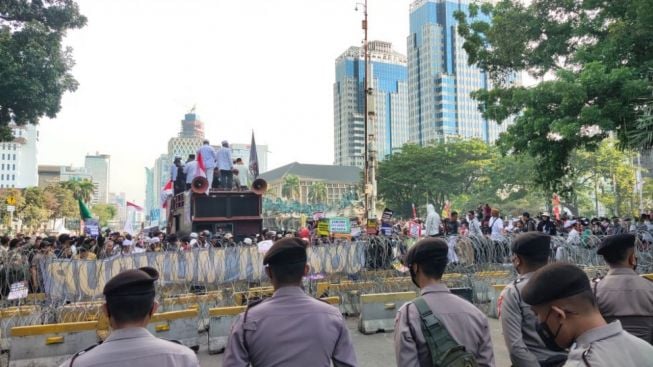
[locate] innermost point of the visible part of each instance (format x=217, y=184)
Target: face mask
x=547, y=336
x=635, y=266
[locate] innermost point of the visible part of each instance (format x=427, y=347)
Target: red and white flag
x=166, y=193
x=132, y=206
x=201, y=169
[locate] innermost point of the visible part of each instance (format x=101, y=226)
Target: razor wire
x=71, y=290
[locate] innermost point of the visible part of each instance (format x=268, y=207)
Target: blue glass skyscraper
x=440, y=79
x=389, y=83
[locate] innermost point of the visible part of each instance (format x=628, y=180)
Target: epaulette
x=255, y=303
x=74, y=357
x=596, y=281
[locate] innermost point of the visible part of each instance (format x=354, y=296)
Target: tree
x=34, y=67
x=599, y=57
x=81, y=189
x=290, y=188
x=60, y=202
x=104, y=212
x=32, y=209
x=317, y=193
x=432, y=174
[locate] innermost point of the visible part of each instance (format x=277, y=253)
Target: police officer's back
x=531, y=251
x=290, y=328
x=129, y=307
x=466, y=324
x=568, y=318
x=622, y=294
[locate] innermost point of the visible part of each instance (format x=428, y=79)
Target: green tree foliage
x=104, y=212
x=81, y=189
x=60, y=202
x=317, y=193
x=34, y=67
x=32, y=209
x=290, y=187
x=596, y=58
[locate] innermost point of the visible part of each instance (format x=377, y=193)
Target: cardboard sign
x=340, y=226
x=17, y=291
x=323, y=228
x=91, y=227
x=372, y=226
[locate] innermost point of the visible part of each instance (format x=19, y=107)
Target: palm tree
x=290, y=188
x=81, y=189
x=317, y=193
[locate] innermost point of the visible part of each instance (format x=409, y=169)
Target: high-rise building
x=18, y=166
x=98, y=166
x=189, y=140
x=389, y=84
x=150, y=201
x=440, y=80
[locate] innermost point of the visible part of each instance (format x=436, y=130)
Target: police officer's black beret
x=532, y=244
x=132, y=282
x=286, y=251
x=553, y=282
x=616, y=242
x=428, y=249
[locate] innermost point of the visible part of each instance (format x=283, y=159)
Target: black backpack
x=445, y=351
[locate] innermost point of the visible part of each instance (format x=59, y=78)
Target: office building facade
x=390, y=103
x=18, y=158
x=99, y=167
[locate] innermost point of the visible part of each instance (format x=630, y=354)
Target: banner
x=92, y=227
x=78, y=279
x=323, y=228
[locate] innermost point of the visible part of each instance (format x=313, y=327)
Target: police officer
x=568, y=317
x=290, y=328
x=467, y=325
x=622, y=294
x=129, y=307
x=530, y=251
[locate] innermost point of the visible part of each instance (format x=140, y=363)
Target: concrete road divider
x=49, y=345
x=648, y=276
x=177, y=325
x=220, y=321
x=378, y=310
x=15, y=316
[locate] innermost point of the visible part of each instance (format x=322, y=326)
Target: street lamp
x=369, y=173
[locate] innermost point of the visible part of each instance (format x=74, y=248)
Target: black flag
x=253, y=159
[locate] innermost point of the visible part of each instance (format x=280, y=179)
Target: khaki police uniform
x=290, y=329
x=467, y=325
x=624, y=295
x=135, y=347
x=518, y=324
x=609, y=346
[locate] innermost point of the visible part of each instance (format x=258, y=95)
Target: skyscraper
x=389, y=82
x=190, y=138
x=18, y=166
x=98, y=166
x=440, y=80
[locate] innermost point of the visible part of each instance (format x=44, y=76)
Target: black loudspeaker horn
x=199, y=185
x=259, y=186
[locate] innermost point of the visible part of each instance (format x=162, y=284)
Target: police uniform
x=518, y=321
x=133, y=346
x=604, y=346
x=290, y=328
x=622, y=294
x=467, y=325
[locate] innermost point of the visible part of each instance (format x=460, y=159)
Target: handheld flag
x=201, y=169
x=166, y=193
x=83, y=210
x=253, y=159
x=133, y=206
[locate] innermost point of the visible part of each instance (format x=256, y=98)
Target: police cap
x=616, y=242
x=287, y=251
x=132, y=282
x=553, y=282
x=532, y=245
x=428, y=249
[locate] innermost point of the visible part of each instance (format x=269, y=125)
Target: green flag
x=83, y=210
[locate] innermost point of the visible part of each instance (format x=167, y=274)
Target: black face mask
x=548, y=338
x=413, y=276
x=635, y=266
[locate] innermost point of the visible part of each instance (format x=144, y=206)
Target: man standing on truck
x=209, y=159
x=226, y=166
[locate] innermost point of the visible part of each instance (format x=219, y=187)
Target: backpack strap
x=437, y=337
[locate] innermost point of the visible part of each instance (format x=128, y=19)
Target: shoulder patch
x=74, y=357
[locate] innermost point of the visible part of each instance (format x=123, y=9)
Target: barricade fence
x=204, y=279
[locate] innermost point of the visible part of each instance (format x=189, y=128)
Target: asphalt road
x=376, y=350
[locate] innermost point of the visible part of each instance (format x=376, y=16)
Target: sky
x=262, y=65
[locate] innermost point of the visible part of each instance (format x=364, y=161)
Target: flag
x=131, y=205
x=201, y=169
x=556, y=206
x=253, y=159
x=166, y=193
x=83, y=210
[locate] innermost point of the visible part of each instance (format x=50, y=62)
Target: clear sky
x=266, y=65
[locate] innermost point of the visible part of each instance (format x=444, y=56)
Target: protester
x=226, y=166
x=241, y=175
x=433, y=222
x=190, y=170
x=209, y=158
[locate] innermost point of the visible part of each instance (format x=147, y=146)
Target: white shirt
x=225, y=163
x=496, y=225
x=475, y=227
x=574, y=237
x=190, y=170
x=209, y=156
x=173, y=172
x=243, y=174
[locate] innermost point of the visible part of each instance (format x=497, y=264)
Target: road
x=376, y=350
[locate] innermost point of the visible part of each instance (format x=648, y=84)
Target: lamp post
x=369, y=131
